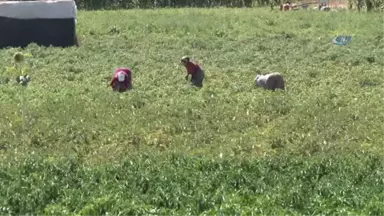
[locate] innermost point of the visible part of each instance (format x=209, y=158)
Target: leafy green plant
x=169, y=148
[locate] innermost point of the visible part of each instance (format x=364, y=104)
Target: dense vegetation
x=92, y=4
x=323, y=184
x=368, y=5
x=69, y=145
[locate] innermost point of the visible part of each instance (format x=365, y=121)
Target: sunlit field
x=70, y=145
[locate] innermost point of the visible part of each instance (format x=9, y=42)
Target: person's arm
x=129, y=77
x=186, y=77
x=112, y=81
x=128, y=81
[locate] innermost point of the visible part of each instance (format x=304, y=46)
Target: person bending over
x=197, y=74
x=122, y=80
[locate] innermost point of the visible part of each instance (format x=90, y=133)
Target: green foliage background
x=69, y=145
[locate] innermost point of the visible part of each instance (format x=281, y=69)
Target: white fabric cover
x=62, y=9
x=261, y=80
x=121, y=76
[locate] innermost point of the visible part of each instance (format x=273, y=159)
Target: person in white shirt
x=270, y=81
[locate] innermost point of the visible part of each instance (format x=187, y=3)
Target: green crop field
x=69, y=145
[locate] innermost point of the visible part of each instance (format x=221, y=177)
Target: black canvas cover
x=49, y=23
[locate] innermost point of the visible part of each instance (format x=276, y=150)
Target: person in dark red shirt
x=197, y=74
x=122, y=80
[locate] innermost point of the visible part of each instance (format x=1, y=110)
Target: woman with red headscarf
x=122, y=80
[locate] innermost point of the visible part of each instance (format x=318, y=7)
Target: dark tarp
x=44, y=32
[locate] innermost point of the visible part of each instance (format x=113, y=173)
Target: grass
x=169, y=148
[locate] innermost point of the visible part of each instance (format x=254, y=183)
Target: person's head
x=184, y=60
x=120, y=76
x=258, y=76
